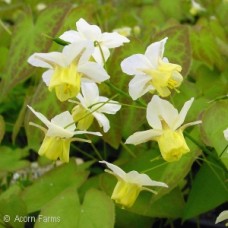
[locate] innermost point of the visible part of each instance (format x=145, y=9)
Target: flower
x=124, y=31
x=59, y=135
x=93, y=106
x=225, y=132
x=222, y=216
x=167, y=130
x=196, y=8
x=129, y=185
x=68, y=69
x=92, y=33
x=152, y=72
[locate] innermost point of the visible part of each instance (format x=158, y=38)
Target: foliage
x=75, y=193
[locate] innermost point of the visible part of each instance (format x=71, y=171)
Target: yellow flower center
x=172, y=145
x=55, y=147
x=82, y=117
x=66, y=81
x=125, y=193
x=166, y=76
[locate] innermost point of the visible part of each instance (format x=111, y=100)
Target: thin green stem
x=123, y=93
x=155, y=167
x=133, y=106
x=89, y=113
x=216, y=174
x=95, y=150
x=127, y=149
x=223, y=151
x=84, y=153
x=97, y=44
x=5, y=27
x=202, y=147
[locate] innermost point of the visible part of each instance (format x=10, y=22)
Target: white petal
x=111, y=107
x=64, y=120
x=115, y=169
x=82, y=50
x=47, y=76
x=139, y=85
x=159, y=109
x=40, y=116
x=93, y=72
x=142, y=136
x=142, y=179
x=90, y=93
x=90, y=32
x=222, y=216
x=113, y=40
x=225, y=132
x=181, y=117
x=155, y=51
x=190, y=124
x=57, y=131
x=47, y=60
x=71, y=36
x=135, y=64
x=102, y=121
x=87, y=132
x=98, y=56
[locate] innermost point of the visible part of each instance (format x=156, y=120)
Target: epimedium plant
x=184, y=171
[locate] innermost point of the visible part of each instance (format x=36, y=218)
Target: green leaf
x=125, y=218
x=51, y=184
x=97, y=210
x=205, y=46
x=15, y=208
x=2, y=128
x=208, y=191
x=178, y=47
x=26, y=39
x=12, y=160
x=45, y=102
x=215, y=121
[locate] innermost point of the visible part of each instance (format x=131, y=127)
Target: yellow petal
x=66, y=82
x=82, y=117
x=125, y=193
x=172, y=145
x=54, y=148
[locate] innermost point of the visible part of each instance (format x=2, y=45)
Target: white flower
x=130, y=184
x=93, y=34
x=196, y=8
x=167, y=128
x=225, y=132
x=58, y=135
x=152, y=72
x=93, y=106
x=124, y=31
x=222, y=216
x=68, y=69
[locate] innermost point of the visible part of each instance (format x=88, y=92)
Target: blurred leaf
x=11, y=191
x=45, y=102
x=97, y=210
x=205, y=47
x=12, y=160
x=26, y=39
x=173, y=8
x=178, y=47
x=14, y=207
x=19, y=121
x=215, y=121
x=125, y=218
x=208, y=191
x=2, y=128
x=51, y=184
